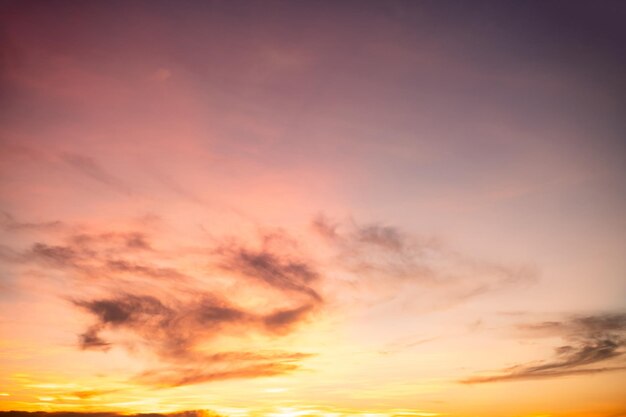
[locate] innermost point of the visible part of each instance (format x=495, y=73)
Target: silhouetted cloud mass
x=173, y=329
x=594, y=339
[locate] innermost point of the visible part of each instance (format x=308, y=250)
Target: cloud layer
x=176, y=307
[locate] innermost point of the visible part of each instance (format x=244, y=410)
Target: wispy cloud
x=92, y=393
x=388, y=254
x=238, y=369
x=91, y=168
x=9, y=223
x=279, y=272
x=133, y=268
x=593, y=340
x=89, y=255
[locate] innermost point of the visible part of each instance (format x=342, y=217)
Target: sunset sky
x=313, y=208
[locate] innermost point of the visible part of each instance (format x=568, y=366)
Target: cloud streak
x=594, y=340
x=11, y=224
x=193, y=375
x=92, y=169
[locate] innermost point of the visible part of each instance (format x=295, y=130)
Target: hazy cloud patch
x=9, y=223
x=386, y=256
x=91, y=168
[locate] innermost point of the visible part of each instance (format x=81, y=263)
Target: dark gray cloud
x=373, y=235
x=523, y=374
x=56, y=255
x=79, y=247
x=593, y=340
x=173, y=328
x=169, y=330
x=91, y=340
x=126, y=309
x=279, y=272
x=98, y=256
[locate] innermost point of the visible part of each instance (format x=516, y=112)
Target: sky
x=313, y=208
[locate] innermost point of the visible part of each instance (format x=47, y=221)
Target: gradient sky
x=313, y=208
